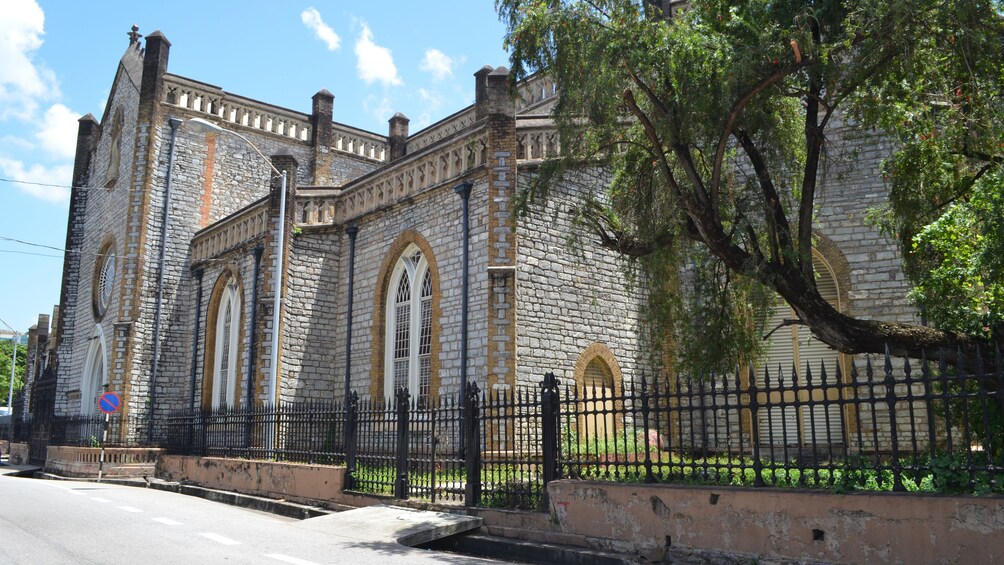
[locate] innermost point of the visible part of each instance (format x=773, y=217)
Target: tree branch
x=778, y=229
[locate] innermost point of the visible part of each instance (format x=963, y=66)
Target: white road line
x=99, y=499
x=76, y=493
x=288, y=559
x=129, y=508
x=167, y=521
x=220, y=539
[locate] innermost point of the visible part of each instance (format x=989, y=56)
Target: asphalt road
x=56, y=522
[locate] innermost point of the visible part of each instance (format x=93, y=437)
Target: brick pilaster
x=498, y=106
x=321, y=116
x=264, y=357
x=128, y=374
x=398, y=136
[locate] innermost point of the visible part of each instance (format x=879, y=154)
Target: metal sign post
x=109, y=403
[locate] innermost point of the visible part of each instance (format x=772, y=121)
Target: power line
x=32, y=244
x=30, y=253
x=44, y=246
x=41, y=183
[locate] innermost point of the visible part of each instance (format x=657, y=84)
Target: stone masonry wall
x=436, y=216
x=570, y=298
x=852, y=184
x=314, y=283
x=100, y=220
x=241, y=261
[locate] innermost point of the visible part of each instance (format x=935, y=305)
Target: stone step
x=494, y=547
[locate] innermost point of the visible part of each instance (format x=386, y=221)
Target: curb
x=271, y=506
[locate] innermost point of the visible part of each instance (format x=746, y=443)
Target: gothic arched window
x=409, y=326
x=223, y=329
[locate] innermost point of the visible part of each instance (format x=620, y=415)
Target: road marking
x=220, y=539
x=129, y=508
x=76, y=493
x=99, y=499
x=167, y=521
x=288, y=559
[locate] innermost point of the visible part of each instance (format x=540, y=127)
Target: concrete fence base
x=320, y=485
x=17, y=454
x=653, y=520
x=84, y=461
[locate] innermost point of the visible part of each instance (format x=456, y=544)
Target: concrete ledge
x=528, y=552
x=393, y=524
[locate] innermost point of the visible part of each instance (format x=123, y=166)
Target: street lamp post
x=13, y=364
x=198, y=124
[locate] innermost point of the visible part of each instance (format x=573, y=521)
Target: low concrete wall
x=18, y=454
x=84, y=461
x=296, y=482
x=786, y=524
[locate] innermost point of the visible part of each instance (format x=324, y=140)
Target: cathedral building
x=397, y=256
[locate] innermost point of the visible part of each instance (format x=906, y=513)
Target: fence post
x=472, y=453
x=351, y=438
x=890, y=395
x=549, y=430
x=645, y=411
x=401, y=404
x=755, y=428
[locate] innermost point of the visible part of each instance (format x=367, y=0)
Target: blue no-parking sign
x=109, y=403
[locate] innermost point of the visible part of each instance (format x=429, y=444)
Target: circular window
x=104, y=279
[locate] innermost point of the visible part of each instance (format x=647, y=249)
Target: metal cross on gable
x=134, y=35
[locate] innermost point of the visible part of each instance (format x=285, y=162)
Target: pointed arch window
x=796, y=359
x=224, y=391
x=409, y=327
x=95, y=373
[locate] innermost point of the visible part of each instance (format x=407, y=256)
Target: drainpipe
x=195, y=339
x=174, y=123
x=464, y=190
x=352, y=231
x=258, y=250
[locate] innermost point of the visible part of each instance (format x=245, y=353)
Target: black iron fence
x=21, y=428
x=86, y=430
x=905, y=425
x=76, y=430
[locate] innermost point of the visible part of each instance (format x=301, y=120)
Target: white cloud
x=312, y=19
x=22, y=82
x=58, y=131
x=438, y=63
x=375, y=63
x=379, y=109
x=39, y=175
x=431, y=104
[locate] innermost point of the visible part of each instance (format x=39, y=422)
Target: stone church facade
x=169, y=279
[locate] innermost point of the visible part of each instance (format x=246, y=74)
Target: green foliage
x=956, y=262
x=714, y=123
x=6, y=347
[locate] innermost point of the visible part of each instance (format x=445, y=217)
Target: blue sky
x=58, y=58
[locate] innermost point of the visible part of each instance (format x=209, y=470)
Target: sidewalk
x=17, y=470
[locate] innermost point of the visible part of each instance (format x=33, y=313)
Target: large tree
x=6, y=348
x=713, y=123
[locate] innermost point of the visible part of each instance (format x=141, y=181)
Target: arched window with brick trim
x=795, y=358
x=95, y=372
x=407, y=314
x=408, y=347
x=221, y=381
x=598, y=383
